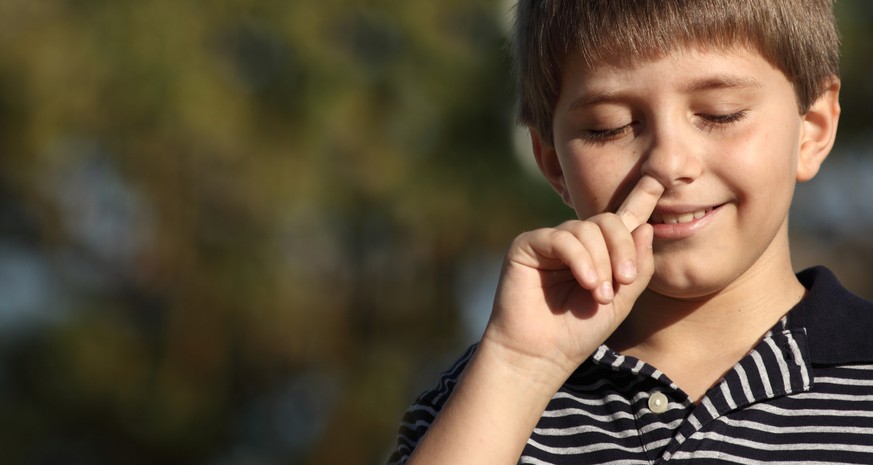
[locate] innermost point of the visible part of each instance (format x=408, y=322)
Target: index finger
x=640, y=203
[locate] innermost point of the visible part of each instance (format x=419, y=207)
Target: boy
x=667, y=324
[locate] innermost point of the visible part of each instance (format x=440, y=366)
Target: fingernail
x=628, y=269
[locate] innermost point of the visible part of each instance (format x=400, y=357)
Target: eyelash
x=603, y=135
x=709, y=122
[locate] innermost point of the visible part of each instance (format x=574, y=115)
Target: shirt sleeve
x=418, y=418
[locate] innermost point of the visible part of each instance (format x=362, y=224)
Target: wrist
x=538, y=376
x=491, y=412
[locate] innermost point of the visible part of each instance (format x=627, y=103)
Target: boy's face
x=720, y=130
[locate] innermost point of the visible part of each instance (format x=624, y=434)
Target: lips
x=680, y=218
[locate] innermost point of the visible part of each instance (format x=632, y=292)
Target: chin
x=686, y=285
x=689, y=294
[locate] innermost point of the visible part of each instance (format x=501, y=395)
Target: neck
x=677, y=335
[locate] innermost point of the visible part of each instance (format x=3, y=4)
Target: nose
x=672, y=157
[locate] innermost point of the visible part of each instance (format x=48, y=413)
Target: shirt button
x=658, y=402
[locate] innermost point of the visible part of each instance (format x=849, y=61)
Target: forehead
x=685, y=70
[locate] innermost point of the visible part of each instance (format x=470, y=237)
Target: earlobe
x=549, y=164
x=819, y=132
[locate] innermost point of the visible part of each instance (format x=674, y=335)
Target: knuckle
x=607, y=218
x=560, y=235
x=632, y=216
x=583, y=228
x=525, y=238
x=520, y=239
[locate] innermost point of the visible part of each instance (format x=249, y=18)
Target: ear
x=819, y=131
x=549, y=164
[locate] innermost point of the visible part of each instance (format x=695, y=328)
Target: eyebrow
x=726, y=81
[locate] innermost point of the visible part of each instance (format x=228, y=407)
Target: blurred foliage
x=232, y=232
x=856, y=28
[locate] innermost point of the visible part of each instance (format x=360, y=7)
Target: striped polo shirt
x=803, y=395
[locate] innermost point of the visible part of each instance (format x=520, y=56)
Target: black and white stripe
x=780, y=404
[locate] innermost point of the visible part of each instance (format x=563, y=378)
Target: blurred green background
x=249, y=232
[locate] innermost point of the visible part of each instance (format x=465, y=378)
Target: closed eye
x=603, y=135
x=713, y=121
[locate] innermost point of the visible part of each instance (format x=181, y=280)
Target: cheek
x=761, y=172
x=598, y=183
x=768, y=159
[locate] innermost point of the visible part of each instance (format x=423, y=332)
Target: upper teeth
x=681, y=218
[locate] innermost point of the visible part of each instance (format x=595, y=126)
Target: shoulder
x=438, y=395
x=421, y=414
x=837, y=322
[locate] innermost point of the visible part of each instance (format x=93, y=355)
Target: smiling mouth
x=679, y=218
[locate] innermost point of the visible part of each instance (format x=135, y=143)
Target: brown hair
x=799, y=37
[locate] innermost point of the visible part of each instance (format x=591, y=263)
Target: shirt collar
x=837, y=322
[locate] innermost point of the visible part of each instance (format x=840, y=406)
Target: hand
x=564, y=290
